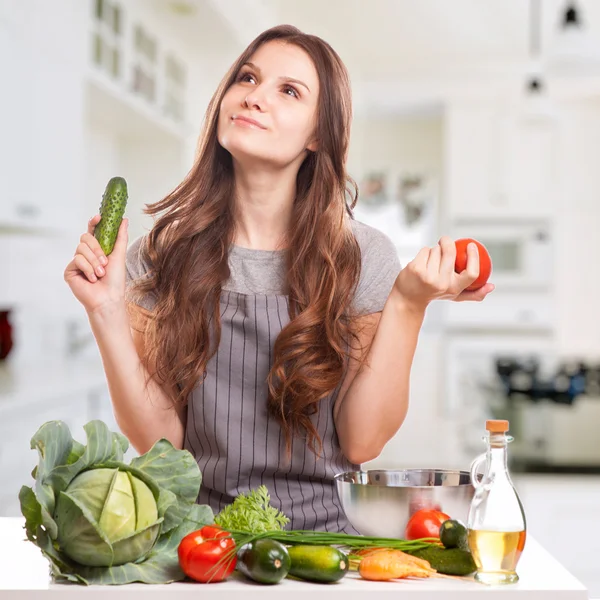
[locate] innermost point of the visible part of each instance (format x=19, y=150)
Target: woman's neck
x=263, y=208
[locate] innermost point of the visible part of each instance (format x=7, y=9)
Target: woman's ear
x=313, y=146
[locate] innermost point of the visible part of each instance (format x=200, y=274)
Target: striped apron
x=239, y=446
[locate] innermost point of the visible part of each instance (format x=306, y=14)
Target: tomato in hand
x=206, y=555
x=425, y=523
x=485, y=262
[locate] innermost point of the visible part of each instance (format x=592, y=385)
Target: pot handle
x=474, y=467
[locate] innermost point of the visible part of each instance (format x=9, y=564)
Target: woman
x=258, y=325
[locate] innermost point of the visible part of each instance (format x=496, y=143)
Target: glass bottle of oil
x=496, y=523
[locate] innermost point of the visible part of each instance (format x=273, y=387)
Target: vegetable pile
x=100, y=521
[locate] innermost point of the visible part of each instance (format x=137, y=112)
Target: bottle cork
x=496, y=426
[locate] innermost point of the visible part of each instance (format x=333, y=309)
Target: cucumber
x=448, y=561
x=453, y=534
x=112, y=209
x=324, y=564
x=264, y=561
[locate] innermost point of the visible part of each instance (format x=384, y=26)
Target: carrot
x=384, y=565
x=367, y=551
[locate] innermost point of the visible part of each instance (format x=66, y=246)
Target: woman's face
x=277, y=90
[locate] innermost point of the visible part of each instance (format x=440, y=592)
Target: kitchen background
x=476, y=118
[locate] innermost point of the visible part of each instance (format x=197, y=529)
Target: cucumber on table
x=264, y=561
x=112, y=209
x=448, y=561
x=324, y=564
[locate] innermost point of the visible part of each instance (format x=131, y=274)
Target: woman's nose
x=255, y=99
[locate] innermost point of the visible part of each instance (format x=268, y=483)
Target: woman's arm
x=373, y=400
x=144, y=416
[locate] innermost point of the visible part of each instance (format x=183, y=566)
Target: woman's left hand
x=431, y=276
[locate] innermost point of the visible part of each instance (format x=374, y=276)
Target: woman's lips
x=247, y=122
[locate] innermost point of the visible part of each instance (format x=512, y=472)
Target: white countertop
x=24, y=576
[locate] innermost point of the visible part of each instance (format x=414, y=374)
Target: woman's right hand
x=98, y=281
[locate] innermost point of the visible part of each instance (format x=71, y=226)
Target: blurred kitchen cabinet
x=56, y=156
x=17, y=426
x=498, y=165
x=16, y=205
x=41, y=120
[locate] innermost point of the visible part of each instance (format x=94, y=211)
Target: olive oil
x=496, y=524
x=496, y=554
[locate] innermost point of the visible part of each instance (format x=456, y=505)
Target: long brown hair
x=188, y=250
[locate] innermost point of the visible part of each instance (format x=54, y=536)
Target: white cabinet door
x=468, y=160
x=529, y=174
x=56, y=154
x=16, y=205
x=41, y=146
x=498, y=165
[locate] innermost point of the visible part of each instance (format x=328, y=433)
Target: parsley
x=252, y=512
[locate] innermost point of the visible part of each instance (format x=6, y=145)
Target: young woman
x=258, y=325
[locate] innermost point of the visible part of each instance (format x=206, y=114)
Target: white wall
x=578, y=225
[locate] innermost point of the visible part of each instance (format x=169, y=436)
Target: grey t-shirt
x=263, y=271
x=236, y=442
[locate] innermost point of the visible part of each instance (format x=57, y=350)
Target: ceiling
x=398, y=52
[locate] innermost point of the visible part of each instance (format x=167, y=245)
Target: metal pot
x=380, y=503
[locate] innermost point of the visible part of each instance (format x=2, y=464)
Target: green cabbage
x=100, y=521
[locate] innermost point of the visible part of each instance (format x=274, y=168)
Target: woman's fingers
x=448, y=256
x=91, y=258
x=471, y=273
x=89, y=240
x=120, y=247
x=476, y=295
x=92, y=224
x=85, y=267
x=420, y=260
x=434, y=260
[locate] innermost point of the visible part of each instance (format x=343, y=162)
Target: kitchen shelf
x=144, y=82
x=108, y=106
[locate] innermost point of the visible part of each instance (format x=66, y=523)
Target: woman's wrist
x=404, y=304
x=109, y=316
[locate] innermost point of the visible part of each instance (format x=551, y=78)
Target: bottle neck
x=497, y=463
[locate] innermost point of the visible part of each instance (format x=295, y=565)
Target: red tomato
x=206, y=555
x=425, y=523
x=485, y=262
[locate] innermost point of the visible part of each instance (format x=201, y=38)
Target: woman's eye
x=289, y=88
x=246, y=77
